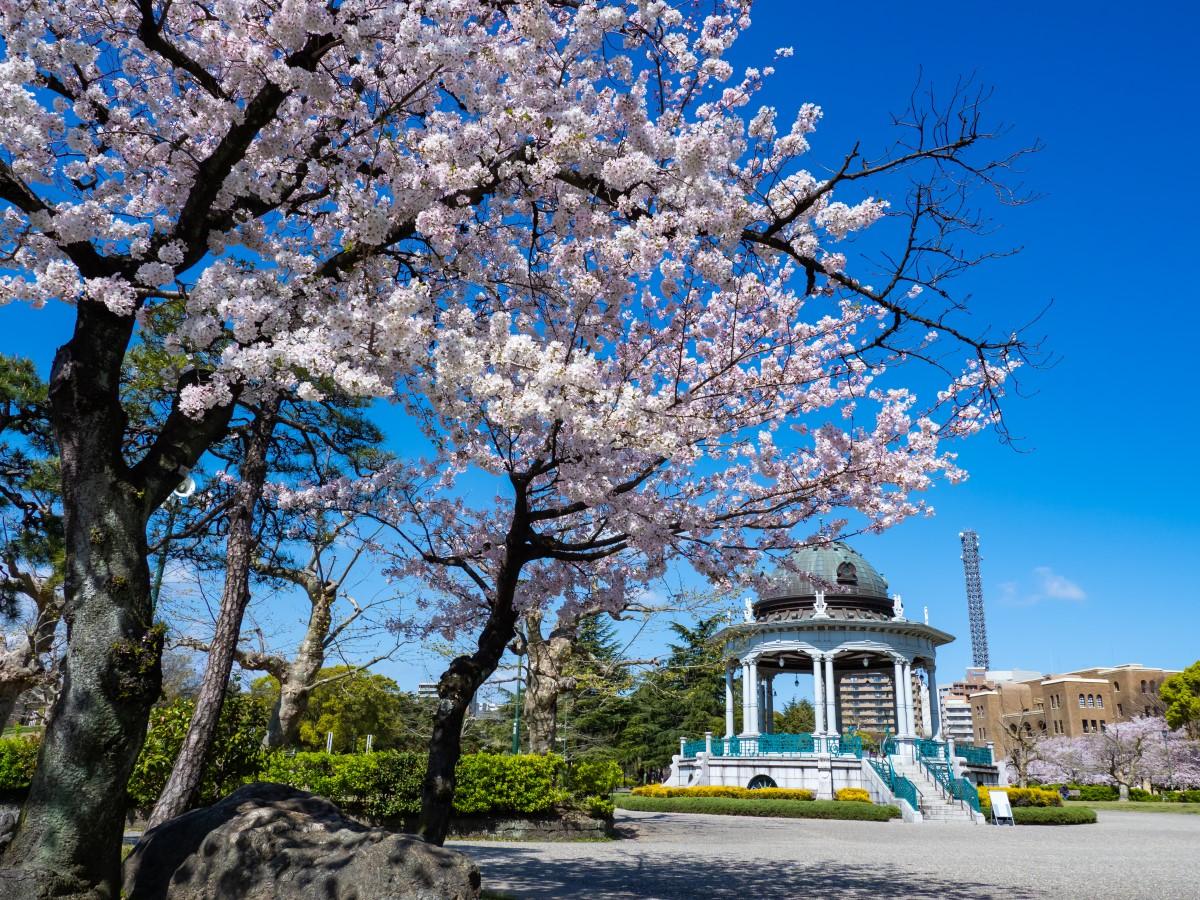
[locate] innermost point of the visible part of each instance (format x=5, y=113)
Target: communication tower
x=970, y=560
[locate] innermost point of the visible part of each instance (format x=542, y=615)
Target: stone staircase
x=935, y=807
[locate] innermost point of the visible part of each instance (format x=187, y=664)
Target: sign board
x=1001, y=809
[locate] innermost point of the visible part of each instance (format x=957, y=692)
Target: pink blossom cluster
x=553, y=232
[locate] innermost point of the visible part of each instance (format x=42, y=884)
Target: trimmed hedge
x=388, y=783
x=786, y=809
x=1050, y=815
x=18, y=759
x=732, y=793
x=1020, y=797
x=853, y=795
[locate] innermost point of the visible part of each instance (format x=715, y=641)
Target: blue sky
x=1089, y=530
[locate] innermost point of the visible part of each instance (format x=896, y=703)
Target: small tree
x=1181, y=694
x=798, y=717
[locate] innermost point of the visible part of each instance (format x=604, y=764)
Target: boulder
x=273, y=841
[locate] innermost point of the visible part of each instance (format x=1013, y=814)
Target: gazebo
x=828, y=612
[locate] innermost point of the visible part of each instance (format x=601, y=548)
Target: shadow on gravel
x=519, y=872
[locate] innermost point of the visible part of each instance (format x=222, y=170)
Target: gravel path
x=669, y=855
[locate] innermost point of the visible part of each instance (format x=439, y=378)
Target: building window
x=1091, y=700
x=1095, y=725
x=1147, y=711
x=1102, y=723
x=1153, y=686
x=847, y=574
x=1143, y=685
x=1116, y=687
x=1120, y=710
x=1085, y=726
x=1099, y=702
x=1081, y=701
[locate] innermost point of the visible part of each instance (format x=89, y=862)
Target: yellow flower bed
x=857, y=795
x=736, y=793
x=1018, y=796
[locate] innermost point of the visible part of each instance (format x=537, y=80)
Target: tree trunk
x=545, y=658
x=456, y=687
x=69, y=837
x=22, y=669
x=295, y=687
x=240, y=545
x=1123, y=792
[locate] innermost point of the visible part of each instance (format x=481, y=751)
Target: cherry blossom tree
x=548, y=222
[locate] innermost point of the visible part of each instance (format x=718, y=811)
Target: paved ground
x=664, y=855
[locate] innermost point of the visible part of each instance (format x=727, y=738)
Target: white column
x=750, y=723
x=831, y=722
x=935, y=703
x=909, y=718
x=818, y=696
x=770, y=695
x=746, y=720
x=898, y=690
x=728, y=700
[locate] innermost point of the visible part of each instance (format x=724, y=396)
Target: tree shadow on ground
x=645, y=873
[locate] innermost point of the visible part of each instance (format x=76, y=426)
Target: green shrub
x=18, y=759
x=388, y=783
x=236, y=757
x=1052, y=815
x=527, y=784
x=1188, y=796
x=790, y=809
x=1096, y=792
x=1019, y=797
x=594, y=777
x=1140, y=795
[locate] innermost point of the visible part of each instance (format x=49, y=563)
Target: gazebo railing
x=976, y=756
x=779, y=745
x=901, y=787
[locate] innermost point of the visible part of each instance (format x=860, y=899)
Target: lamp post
x=186, y=488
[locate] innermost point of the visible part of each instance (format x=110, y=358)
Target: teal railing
x=952, y=788
x=930, y=749
x=976, y=756
x=961, y=789
x=901, y=787
x=779, y=745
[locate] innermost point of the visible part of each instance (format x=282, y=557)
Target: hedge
x=1051, y=815
x=18, y=759
x=854, y=795
x=388, y=783
x=787, y=809
x=733, y=793
x=1020, y=797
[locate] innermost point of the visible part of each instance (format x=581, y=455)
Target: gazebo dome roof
x=852, y=586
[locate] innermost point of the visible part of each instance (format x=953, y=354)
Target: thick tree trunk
x=10, y=692
x=295, y=687
x=240, y=546
x=546, y=658
x=69, y=837
x=456, y=687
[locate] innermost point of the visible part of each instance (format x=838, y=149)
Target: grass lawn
x=1187, y=809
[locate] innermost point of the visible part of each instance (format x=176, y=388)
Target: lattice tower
x=970, y=560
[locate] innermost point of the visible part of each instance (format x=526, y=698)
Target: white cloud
x=1046, y=585
x=1058, y=587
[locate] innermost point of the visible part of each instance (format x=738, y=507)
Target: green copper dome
x=852, y=586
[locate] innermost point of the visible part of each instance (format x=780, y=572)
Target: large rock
x=273, y=841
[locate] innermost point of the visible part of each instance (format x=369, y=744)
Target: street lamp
x=186, y=488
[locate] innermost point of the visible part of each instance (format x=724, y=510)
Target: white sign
x=1001, y=808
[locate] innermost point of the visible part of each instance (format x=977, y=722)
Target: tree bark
x=23, y=669
x=546, y=658
x=68, y=840
x=295, y=687
x=456, y=687
x=181, y=787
